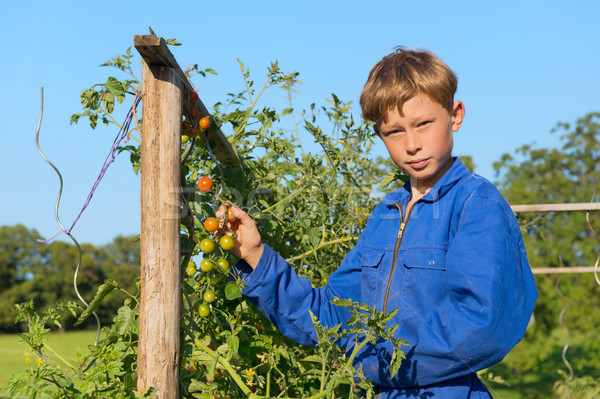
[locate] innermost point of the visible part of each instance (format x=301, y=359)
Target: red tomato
x=194, y=132
x=205, y=184
x=194, y=113
x=186, y=127
x=193, y=96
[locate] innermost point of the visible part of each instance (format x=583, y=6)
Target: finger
x=220, y=212
x=239, y=214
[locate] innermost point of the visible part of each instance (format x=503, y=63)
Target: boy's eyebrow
x=411, y=121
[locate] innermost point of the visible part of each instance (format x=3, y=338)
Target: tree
x=45, y=272
x=565, y=175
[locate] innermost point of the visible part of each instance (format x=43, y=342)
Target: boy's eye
x=391, y=132
x=424, y=123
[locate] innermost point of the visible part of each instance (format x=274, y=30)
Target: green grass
x=12, y=350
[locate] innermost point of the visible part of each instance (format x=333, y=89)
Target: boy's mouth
x=418, y=163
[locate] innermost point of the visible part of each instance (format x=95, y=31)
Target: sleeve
x=285, y=298
x=490, y=294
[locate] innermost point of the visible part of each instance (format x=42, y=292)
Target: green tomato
x=209, y=296
x=207, y=265
x=226, y=242
x=207, y=245
x=190, y=270
x=223, y=264
x=203, y=310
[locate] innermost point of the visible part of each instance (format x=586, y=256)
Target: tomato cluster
x=215, y=232
x=193, y=124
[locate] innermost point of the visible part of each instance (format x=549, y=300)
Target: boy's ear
x=458, y=115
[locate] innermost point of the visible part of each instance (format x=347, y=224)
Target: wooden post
x=155, y=52
x=158, y=352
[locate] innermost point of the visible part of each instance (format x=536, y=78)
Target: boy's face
x=420, y=140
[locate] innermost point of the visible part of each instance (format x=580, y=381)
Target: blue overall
x=455, y=267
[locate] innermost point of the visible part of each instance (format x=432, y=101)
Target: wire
x=68, y=233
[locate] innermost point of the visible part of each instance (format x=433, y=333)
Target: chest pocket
x=424, y=258
x=423, y=285
x=370, y=263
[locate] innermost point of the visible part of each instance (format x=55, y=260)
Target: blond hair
x=400, y=76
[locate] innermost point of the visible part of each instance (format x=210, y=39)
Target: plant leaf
x=232, y=291
x=102, y=292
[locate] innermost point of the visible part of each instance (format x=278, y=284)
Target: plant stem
x=321, y=245
x=288, y=197
x=295, y=122
x=236, y=377
x=59, y=356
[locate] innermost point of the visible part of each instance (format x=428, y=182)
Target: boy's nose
x=413, y=142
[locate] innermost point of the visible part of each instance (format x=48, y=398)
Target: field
x=12, y=350
x=534, y=385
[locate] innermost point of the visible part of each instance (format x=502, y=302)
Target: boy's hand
x=248, y=243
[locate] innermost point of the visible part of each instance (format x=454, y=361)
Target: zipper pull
x=401, y=231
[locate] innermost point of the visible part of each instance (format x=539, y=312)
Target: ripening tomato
x=184, y=138
x=209, y=296
x=205, y=184
x=207, y=265
x=193, y=96
x=207, y=245
x=204, y=123
x=223, y=264
x=211, y=224
x=203, y=310
x=230, y=216
x=226, y=242
x=186, y=127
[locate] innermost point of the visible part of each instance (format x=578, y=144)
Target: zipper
x=403, y=222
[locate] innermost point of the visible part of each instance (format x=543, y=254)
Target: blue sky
x=522, y=67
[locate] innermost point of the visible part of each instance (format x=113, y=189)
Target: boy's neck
x=419, y=188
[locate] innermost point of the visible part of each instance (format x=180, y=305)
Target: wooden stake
x=160, y=304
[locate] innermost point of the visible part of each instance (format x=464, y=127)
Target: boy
x=445, y=249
